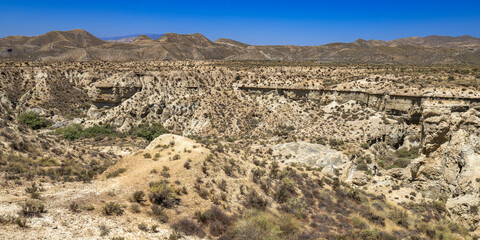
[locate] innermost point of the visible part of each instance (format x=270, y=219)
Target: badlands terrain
x=238, y=149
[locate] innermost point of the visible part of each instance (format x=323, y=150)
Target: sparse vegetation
x=33, y=120
x=77, y=131
x=255, y=188
x=262, y=225
x=139, y=196
x=116, y=173
x=32, y=208
x=74, y=207
x=112, y=208
x=148, y=132
x=163, y=193
x=188, y=227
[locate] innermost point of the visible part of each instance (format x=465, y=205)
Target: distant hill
x=130, y=38
x=79, y=45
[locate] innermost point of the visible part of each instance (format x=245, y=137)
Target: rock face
x=113, y=91
x=316, y=155
x=450, y=170
x=435, y=127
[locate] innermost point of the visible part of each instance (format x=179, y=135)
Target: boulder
x=315, y=155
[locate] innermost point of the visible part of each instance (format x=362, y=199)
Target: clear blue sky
x=255, y=22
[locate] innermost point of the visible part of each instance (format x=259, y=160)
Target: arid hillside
x=237, y=149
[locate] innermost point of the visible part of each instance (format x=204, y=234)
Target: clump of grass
x=159, y=213
x=112, y=208
x=143, y=227
x=135, y=208
x=74, y=207
x=32, y=207
x=104, y=229
x=21, y=222
x=33, y=191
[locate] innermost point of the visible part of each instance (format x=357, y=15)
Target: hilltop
x=76, y=45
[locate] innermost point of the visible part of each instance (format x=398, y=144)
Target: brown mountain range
x=79, y=45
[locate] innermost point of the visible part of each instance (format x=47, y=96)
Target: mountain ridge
x=80, y=45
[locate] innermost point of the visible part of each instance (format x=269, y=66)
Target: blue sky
x=255, y=22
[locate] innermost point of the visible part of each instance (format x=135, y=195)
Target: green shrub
x=96, y=130
x=362, y=167
x=104, y=229
x=159, y=213
x=439, y=206
x=163, y=193
x=135, y=208
x=335, y=142
x=21, y=222
x=403, y=153
x=148, y=132
x=48, y=162
x=139, y=196
x=74, y=207
x=254, y=200
x=33, y=191
x=112, y=208
x=72, y=132
x=285, y=190
x=400, y=217
x=77, y=131
x=400, y=163
x=289, y=226
x=32, y=120
x=143, y=227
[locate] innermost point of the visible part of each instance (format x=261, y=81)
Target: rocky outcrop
x=450, y=167
x=111, y=94
x=309, y=153
x=407, y=106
